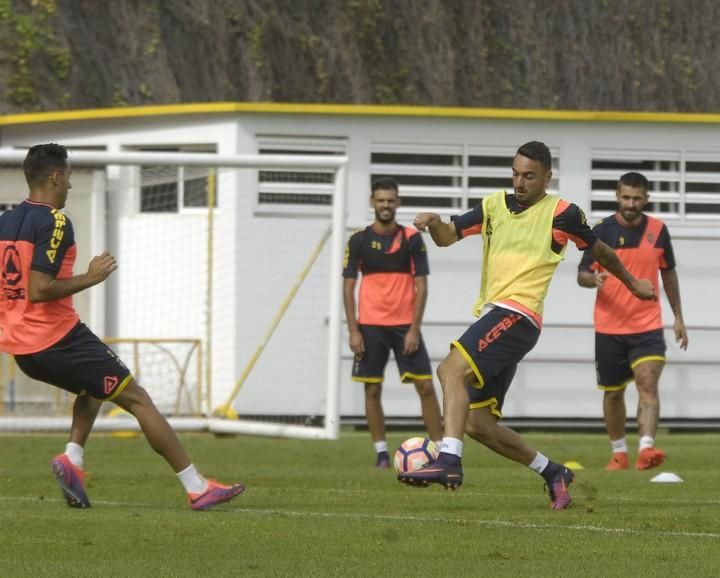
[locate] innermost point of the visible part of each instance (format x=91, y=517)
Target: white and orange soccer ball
x=414, y=453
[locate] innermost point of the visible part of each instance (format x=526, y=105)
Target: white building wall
x=258, y=257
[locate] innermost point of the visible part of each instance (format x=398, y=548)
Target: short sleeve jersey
x=388, y=265
x=34, y=237
x=644, y=250
x=568, y=224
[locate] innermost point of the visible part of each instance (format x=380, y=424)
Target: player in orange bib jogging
x=41, y=329
x=524, y=237
x=394, y=266
x=629, y=340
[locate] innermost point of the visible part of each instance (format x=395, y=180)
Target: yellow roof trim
x=360, y=110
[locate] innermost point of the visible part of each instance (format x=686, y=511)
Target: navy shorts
x=379, y=341
x=616, y=356
x=493, y=346
x=79, y=363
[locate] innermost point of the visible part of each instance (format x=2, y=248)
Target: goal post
x=222, y=425
x=176, y=311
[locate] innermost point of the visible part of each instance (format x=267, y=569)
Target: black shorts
x=616, y=356
x=379, y=340
x=79, y=363
x=493, y=346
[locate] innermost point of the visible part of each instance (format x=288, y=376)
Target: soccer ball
x=414, y=453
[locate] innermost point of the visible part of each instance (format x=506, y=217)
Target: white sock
x=452, y=446
x=619, y=446
x=539, y=463
x=193, y=482
x=380, y=447
x=75, y=454
x=647, y=442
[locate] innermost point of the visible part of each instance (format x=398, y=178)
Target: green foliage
x=46, y=6
x=313, y=48
x=259, y=56
x=255, y=41
x=152, y=44
x=565, y=54
x=386, y=72
x=60, y=60
x=315, y=508
x=5, y=12
x=30, y=41
x=118, y=96
x=145, y=91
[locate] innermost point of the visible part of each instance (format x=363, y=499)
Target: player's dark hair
x=635, y=181
x=537, y=151
x=42, y=160
x=385, y=184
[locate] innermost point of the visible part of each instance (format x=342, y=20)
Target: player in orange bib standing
x=41, y=329
x=629, y=340
x=393, y=291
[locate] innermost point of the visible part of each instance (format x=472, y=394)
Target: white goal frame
x=218, y=424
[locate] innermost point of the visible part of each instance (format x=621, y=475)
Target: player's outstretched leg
x=446, y=470
x=202, y=493
x=71, y=480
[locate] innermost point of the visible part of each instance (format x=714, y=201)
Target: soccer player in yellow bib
x=525, y=234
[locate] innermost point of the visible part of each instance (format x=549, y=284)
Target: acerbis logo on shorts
x=498, y=330
x=111, y=382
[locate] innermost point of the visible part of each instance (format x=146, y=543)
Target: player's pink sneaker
x=215, y=494
x=558, y=488
x=446, y=470
x=382, y=461
x=71, y=480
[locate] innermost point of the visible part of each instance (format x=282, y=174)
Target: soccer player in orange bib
x=629, y=340
x=393, y=291
x=525, y=234
x=41, y=329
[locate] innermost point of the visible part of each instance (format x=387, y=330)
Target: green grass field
x=320, y=509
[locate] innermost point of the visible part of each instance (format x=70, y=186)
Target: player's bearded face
x=530, y=179
x=631, y=202
x=385, y=203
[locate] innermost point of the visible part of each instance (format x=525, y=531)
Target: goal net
x=226, y=304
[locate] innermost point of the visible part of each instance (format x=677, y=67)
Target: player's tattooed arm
x=591, y=279
x=641, y=288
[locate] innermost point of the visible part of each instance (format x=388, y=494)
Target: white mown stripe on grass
x=414, y=519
